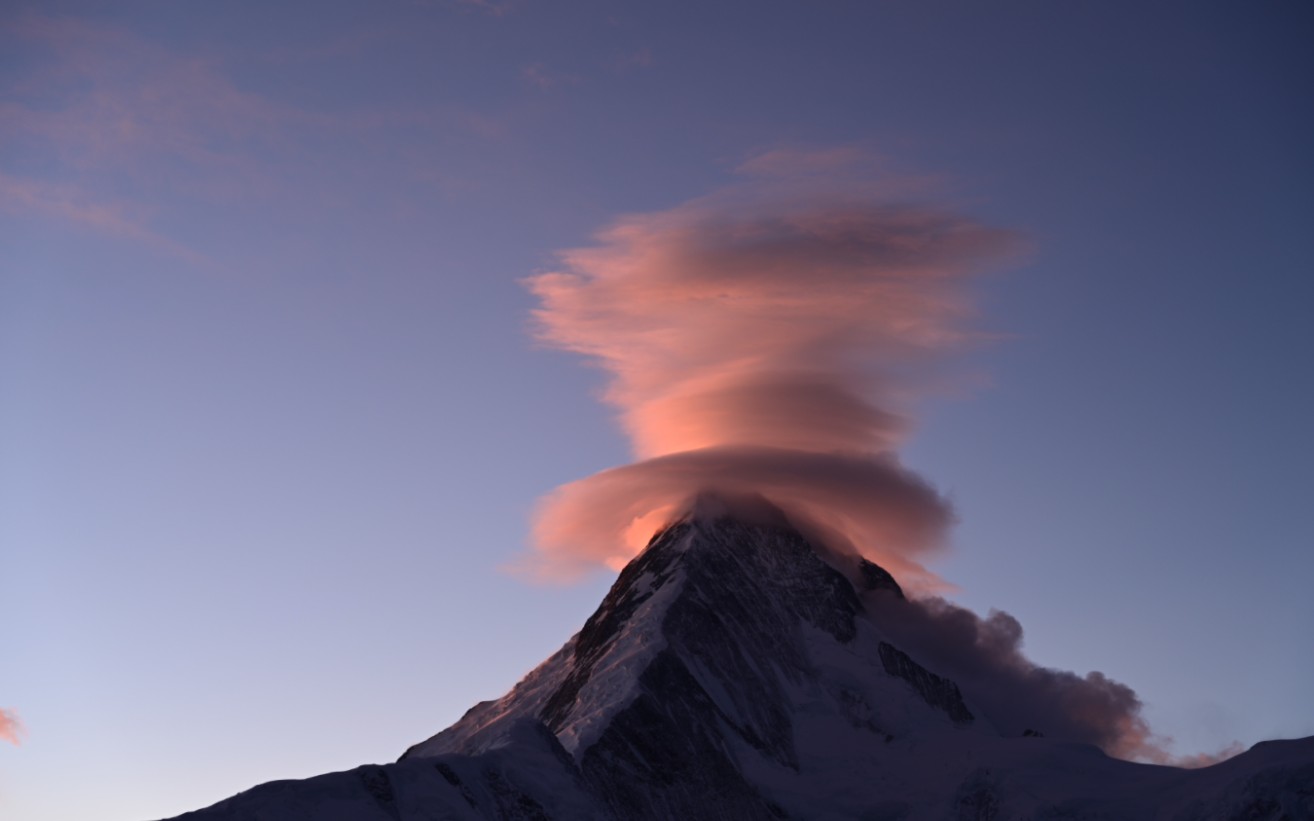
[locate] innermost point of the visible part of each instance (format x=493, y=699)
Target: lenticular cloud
x=768, y=342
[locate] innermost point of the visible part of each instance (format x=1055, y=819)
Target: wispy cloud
x=1199, y=760
x=540, y=76
x=107, y=130
x=639, y=58
x=72, y=203
x=11, y=729
x=109, y=126
x=76, y=205
x=104, y=95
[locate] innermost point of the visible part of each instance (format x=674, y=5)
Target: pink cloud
x=1199, y=760
x=608, y=517
x=11, y=729
x=771, y=339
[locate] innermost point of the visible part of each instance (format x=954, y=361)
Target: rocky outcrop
x=940, y=693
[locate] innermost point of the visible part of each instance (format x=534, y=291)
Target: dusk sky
x=275, y=415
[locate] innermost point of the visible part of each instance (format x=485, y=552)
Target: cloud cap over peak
x=768, y=338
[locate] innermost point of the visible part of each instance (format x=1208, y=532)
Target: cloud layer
x=767, y=339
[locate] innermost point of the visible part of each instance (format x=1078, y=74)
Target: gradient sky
x=272, y=423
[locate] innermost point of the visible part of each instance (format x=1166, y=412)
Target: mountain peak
x=735, y=670
x=709, y=591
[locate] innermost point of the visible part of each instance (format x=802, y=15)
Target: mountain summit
x=735, y=670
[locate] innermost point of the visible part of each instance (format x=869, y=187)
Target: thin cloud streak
x=71, y=203
x=124, y=99
x=769, y=338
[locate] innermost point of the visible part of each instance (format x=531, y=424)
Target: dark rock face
x=452, y=778
x=875, y=577
x=977, y=798
x=379, y=786
x=666, y=753
x=1274, y=794
x=665, y=758
x=733, y=673
x=759, y=612
x=938, y=692
x=603, y=627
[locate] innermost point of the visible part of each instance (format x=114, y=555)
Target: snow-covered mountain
x=735, y=671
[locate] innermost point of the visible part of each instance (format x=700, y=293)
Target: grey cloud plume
x=985, y=656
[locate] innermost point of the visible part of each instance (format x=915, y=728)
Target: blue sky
x=272, y=423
